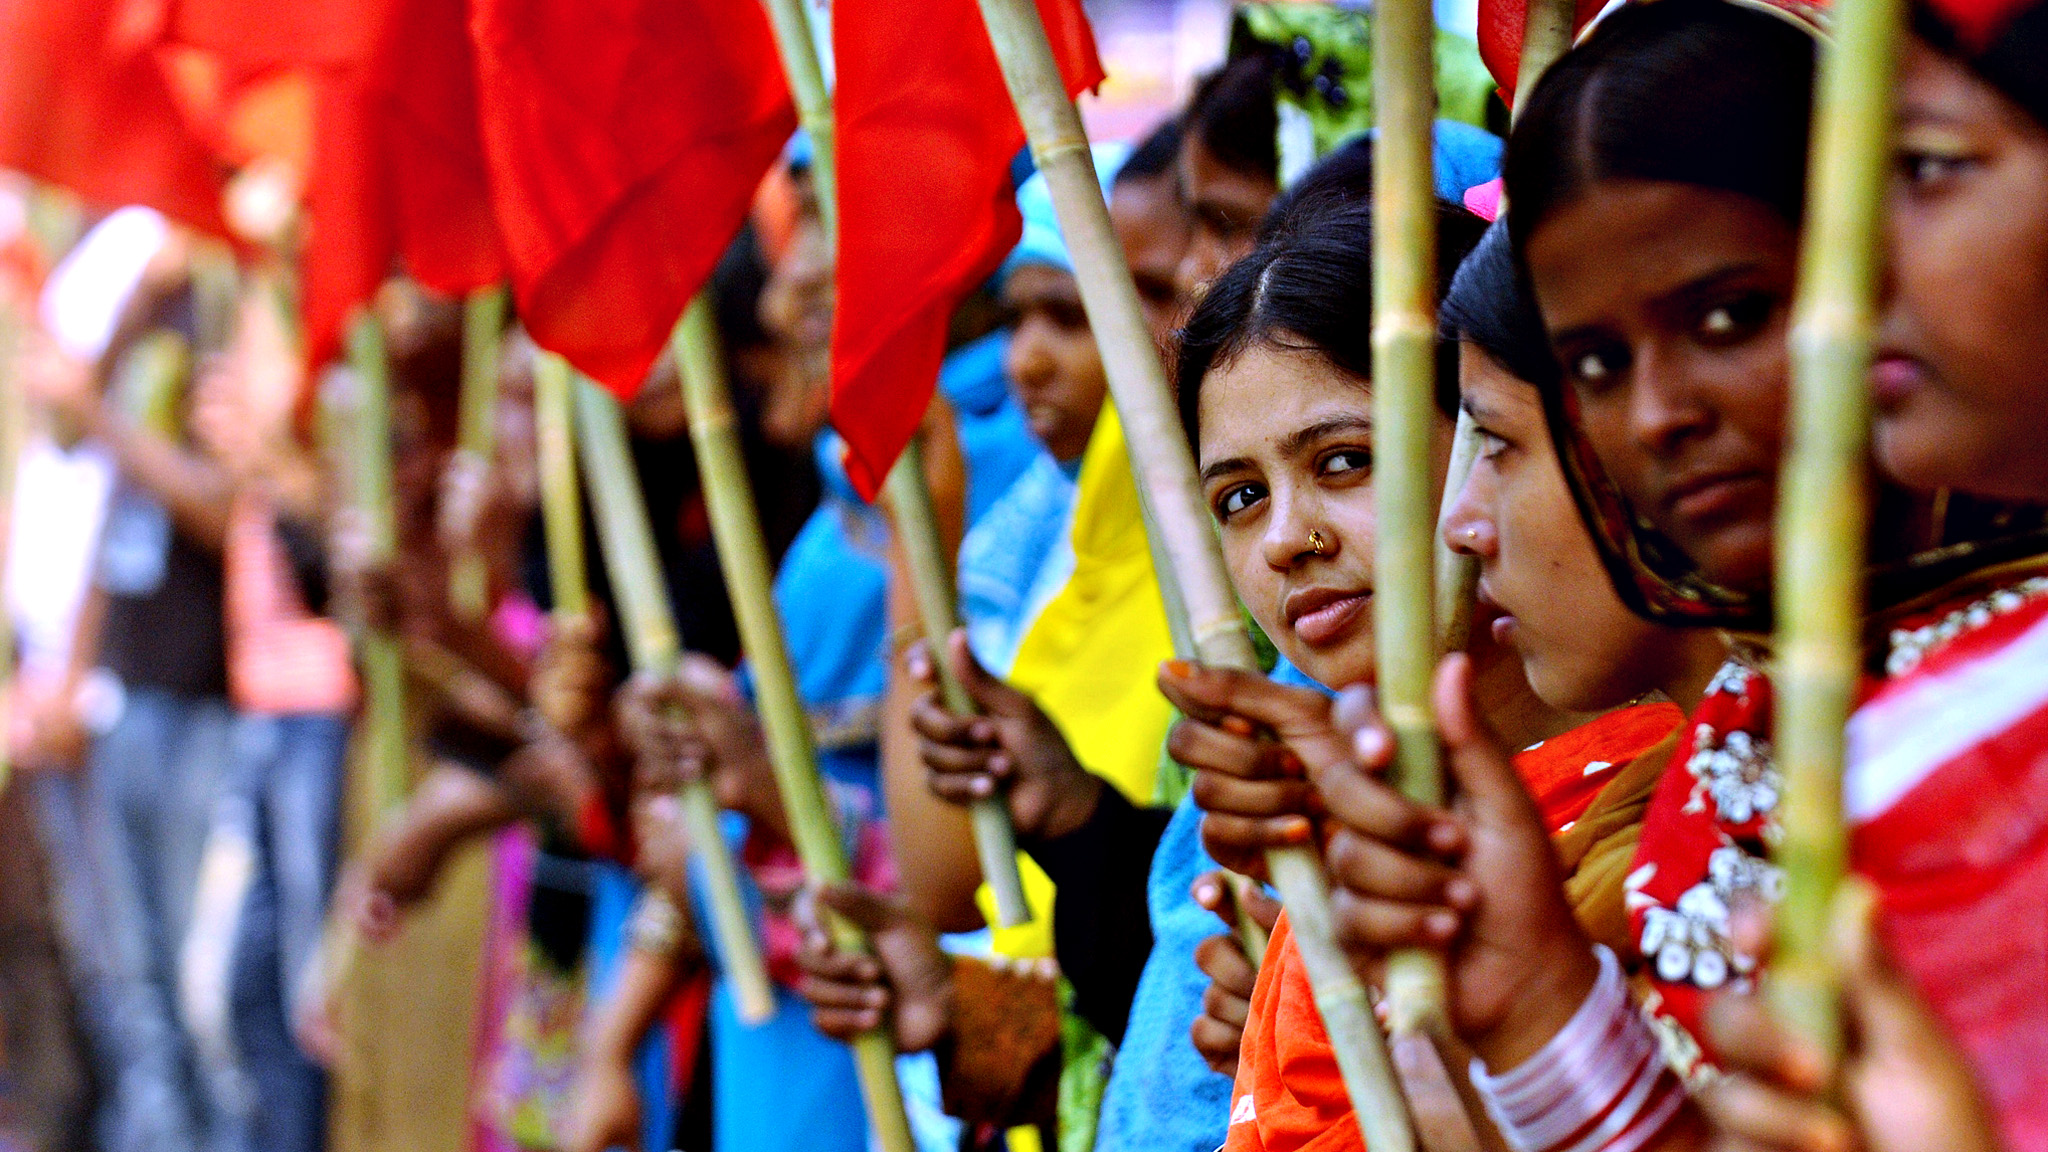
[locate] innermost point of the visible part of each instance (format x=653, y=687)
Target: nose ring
x=1316, y=543
x=1471, y=535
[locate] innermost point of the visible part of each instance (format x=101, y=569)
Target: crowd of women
x=1617, y=274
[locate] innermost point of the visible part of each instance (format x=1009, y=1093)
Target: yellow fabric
x=1091, y=658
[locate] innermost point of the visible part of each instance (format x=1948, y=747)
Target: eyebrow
x=1684, y=294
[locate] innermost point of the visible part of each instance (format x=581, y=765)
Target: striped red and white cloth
x=282, y=659
x=1947, y=789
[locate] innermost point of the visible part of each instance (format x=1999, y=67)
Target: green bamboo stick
x=813, y=103
x=383, y=724
x=931, y=584
x=561, y=502
x=483, y=327
x=627, y=541
x=743, y=555
x=1546, y=34
x=908, y=496
x=1166, y=473
x=1824, y=506
x=1404, y=372
x=13, y=415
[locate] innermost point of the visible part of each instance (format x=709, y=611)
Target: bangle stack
x=1600, y=1085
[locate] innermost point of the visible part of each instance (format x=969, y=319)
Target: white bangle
x=1599, y=1085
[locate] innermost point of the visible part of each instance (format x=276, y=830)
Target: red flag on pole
x=397, y=174
x=926, y=210
x=84, y=109
x=625, y=140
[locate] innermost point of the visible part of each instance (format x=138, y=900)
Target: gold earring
x=1316, y=543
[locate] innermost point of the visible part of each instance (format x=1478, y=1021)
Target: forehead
x=1205, y=178
x=1148, y=213
x=1934, y=88
x=1256, y=401
x=1625, y=242
x=1486, y=386
x=1031, y=282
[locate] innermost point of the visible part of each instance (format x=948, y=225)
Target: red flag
x=81, y=109
x=625, y=140
x=926, y=137
x=397, y=172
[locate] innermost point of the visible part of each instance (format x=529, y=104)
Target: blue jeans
x=287, y=785
x=154, y=779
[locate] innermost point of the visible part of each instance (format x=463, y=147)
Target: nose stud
x=1316, y=543
x=1471, y=535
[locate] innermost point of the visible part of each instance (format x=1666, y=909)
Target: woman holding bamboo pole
x=1667, y=423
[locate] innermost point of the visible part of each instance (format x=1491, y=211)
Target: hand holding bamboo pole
x=1166, y=473
x=743, y=555
x=656, y=648
x=483, y=324
x=1824, y=504
x=932, y=581
x=908, y=496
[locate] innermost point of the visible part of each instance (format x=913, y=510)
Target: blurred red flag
x=926, y=210
x=84, y=108
x=397, y=173
x=625, y=139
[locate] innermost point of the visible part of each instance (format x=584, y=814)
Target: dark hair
x=736, y=286
x=1308, y=288
x=1155, y=154
x=1698, y=92
x=1489, y=305
x=2007, y=56
x=1344, y=176
x=1232, y=114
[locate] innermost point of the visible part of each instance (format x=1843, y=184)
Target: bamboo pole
x=561, y=505
x=1824, y=506
x=13, y=433
x=627, y=543
x=909, y=498
x=483, y=327
x=1404, y=362
x=383, y=723
x=1546, y=34
x=743, y=555
x=1166, y=472
x=931, y=583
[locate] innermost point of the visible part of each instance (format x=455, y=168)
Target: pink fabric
x=1484, y=199
x=281, y=657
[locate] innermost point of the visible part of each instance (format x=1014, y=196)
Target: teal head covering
x=1041, y=242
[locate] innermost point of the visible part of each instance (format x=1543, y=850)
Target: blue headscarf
x=1042, y=242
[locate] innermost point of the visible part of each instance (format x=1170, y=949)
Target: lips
x=1714, y=494
x=1322, y=616
x=1894, y=377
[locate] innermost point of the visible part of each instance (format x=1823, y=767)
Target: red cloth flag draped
x=926, y=210
x=625, y=139
x=398, y=175
x=85, y=110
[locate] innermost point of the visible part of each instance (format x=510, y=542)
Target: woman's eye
x=1237, y=498
x=1734, y=320
x=1925, y=171
x=1347, y=460
x=1596, y=368
x=1490, y=444
x=1068, y=316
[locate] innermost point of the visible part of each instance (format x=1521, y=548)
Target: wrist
x=1599, y=1083
x=1560, y=979
x=1074, y=801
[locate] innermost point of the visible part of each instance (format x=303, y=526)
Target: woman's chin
x=1337, y=666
